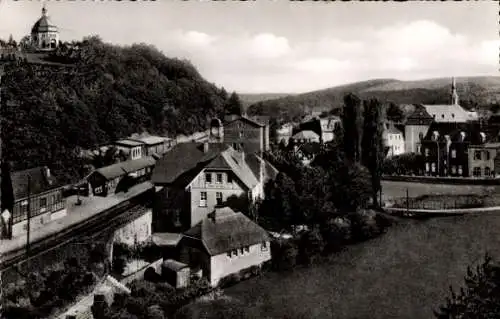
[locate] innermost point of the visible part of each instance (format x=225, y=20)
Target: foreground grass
x=403, y=274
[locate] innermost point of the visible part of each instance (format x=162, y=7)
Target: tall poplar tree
x=372, y=143
x=352, y=124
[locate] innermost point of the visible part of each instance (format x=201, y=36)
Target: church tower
x=454, y=94
x=44, y=35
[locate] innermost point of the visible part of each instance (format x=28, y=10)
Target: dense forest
x=474, y=92
x=106, y=92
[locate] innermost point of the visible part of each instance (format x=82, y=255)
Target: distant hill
x=252, y=98
x=479, y=92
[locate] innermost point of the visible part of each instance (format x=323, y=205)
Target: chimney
x=205, y=147
x=47, y=172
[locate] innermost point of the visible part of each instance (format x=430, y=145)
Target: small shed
x=175, y=273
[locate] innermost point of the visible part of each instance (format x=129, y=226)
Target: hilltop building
x=44, y=35
x=393, y=140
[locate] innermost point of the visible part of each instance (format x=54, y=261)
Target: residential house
x=305, y=137
x=284, y=133
x=225, y=243
x=250, y=134
x=328, y=127
x=197, y=177
x=393, y=140
x=483, y=160
x=118, y=177
x=35, y=190
x=133, y=149
x=416, y=127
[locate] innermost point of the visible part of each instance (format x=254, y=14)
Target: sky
x=281, y=46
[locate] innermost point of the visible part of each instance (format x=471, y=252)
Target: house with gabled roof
x=197, y=177
x=37, y=191
x=118, y=177
x=247, y=133
x=224, y=243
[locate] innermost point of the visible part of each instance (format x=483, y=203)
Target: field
x=402, y=274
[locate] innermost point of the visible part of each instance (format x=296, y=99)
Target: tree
x=107, y=157
x=352, y=124
x=373, y=154
x=480, y=298
x=281, y=203
x=234, y=105
x=394, y=113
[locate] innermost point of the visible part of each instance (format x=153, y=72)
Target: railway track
x=108, y=220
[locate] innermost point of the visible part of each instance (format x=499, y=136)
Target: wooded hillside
x=108, y=93
x=474, y=92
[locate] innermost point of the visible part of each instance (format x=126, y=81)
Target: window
x=460, y=171
x=229, y=178
x=487, y=171
x=229, y=254
x=241, y=134
x=43, y=202
x=487, y=153
x=426, y=152
x=263, y=246
x=433, y=167
x=235, y=252
x=203, y=199
x=98, y=190
x=476, y=172
x=247, y=249
x=453, y=169
x=427, y=167
x=453, y=153
x=442, y=116
x=218, y=198
x=219, y=178
x=477, y=155
x=241, y=251
x=208, y=177
x=452, y=115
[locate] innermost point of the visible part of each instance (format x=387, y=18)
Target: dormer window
x=452, y=115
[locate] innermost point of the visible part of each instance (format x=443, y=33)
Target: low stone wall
x=442, y=180
x=419, y=213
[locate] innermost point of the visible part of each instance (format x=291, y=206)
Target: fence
x=440, y=202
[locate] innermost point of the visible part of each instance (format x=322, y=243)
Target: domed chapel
x=44, y=35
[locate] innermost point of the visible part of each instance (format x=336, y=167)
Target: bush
x=284, y=255
x=230, y=280
x=119, y=265
x=311, y=245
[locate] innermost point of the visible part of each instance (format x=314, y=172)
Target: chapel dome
x=43, y=24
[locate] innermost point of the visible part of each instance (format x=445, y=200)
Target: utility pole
x=28, y=223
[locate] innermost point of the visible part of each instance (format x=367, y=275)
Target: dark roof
x=310, y=148
x=122, y=168
x=184, y=159
x=225, y=230
x=420, y=116
x=43, y=24
x=39, y=182
x=454, y=130
x=254, y=120
x=254, y=162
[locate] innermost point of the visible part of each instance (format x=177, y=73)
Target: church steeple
x=44, y=11
x=454, y=94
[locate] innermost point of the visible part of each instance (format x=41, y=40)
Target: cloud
x=267, y=45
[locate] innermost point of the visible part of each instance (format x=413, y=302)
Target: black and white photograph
x=265, y=159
